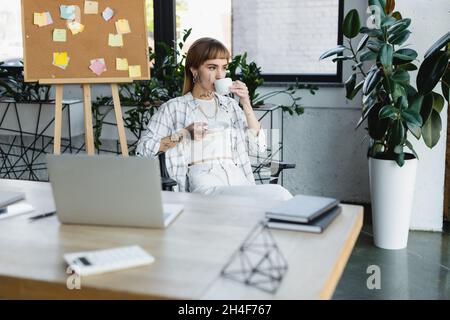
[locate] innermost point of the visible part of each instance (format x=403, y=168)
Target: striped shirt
x=178, y=113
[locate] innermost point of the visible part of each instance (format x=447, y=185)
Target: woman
x=206, y=136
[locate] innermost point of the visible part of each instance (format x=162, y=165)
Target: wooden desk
x=189, y=254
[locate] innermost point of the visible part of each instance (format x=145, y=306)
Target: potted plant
x=393, y=110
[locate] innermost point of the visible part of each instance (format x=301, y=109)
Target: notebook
x=317, y=225
x=302, y=208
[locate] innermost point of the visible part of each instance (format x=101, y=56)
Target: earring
x=194, y=78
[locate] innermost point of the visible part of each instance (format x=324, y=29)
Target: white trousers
x=224, y=177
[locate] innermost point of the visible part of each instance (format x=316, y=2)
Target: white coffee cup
x=222, y=86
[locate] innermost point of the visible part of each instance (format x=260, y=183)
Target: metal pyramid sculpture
x=258, y=262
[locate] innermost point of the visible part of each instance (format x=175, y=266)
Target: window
x=150, y=23
x=284, y=37
x=206, y=18
x=287, y=37
x=10, y=30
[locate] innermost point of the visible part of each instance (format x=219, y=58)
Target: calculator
x=101, y=261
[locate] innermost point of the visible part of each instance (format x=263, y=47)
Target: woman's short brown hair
x=201, y=50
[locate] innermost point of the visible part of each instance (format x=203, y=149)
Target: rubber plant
x=382, y=66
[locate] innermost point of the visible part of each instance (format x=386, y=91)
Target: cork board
x=92, y=43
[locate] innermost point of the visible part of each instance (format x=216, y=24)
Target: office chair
x=167, y=183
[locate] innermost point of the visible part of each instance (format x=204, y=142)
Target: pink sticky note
x=98, y=67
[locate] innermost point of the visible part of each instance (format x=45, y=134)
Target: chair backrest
x=167, y=183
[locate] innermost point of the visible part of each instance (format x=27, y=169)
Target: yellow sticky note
x=39, y=19
x=59, y=35
x=121, y=64
x=60, y=59
x=115, y=40
x=90, y=7
x=123, y=26
x=135, y=71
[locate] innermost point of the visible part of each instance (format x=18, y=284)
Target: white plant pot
x=392, y=192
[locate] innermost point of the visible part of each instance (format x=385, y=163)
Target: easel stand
x=89, y=135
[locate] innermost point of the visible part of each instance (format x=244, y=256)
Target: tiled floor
x=421, y=271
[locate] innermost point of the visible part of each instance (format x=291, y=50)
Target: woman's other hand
x=240, y=89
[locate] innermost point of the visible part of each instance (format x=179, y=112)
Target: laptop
x=109, y=190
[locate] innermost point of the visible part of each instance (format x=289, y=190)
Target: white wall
x=430, y=20
x=330, y=154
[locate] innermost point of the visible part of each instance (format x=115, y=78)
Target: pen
x=44, y=215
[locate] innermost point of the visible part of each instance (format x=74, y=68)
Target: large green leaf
x=445, y=84
x=352, y=24
x=373, y=78
x=400, y=75
x=368, y=55
x=385, y=56
x=388, y=84
x=342, y=58
x=388, y=111
x=366, y=112
x=377, y=128
x=438, y=102
x=399, y=26
x=406, y=66
x=388, y=21
x=350, y=85
x=398, y=91
x=431, y=71
x=404, y=56
x=412, y=117
x=427, y=107
x=399, y=38
x=411, y=92
x=355, y=90
x=415, y=130
x=431, y=130
x=329, y=53
x=362, y=43
x=374, y=45
x=438, y=45
x=396, y=133
x=371, y=32
x=402, y=103
x=409, y=145
x=400, y=159
x=415, y=105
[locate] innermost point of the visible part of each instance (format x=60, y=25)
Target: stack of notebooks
x=304, y=213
